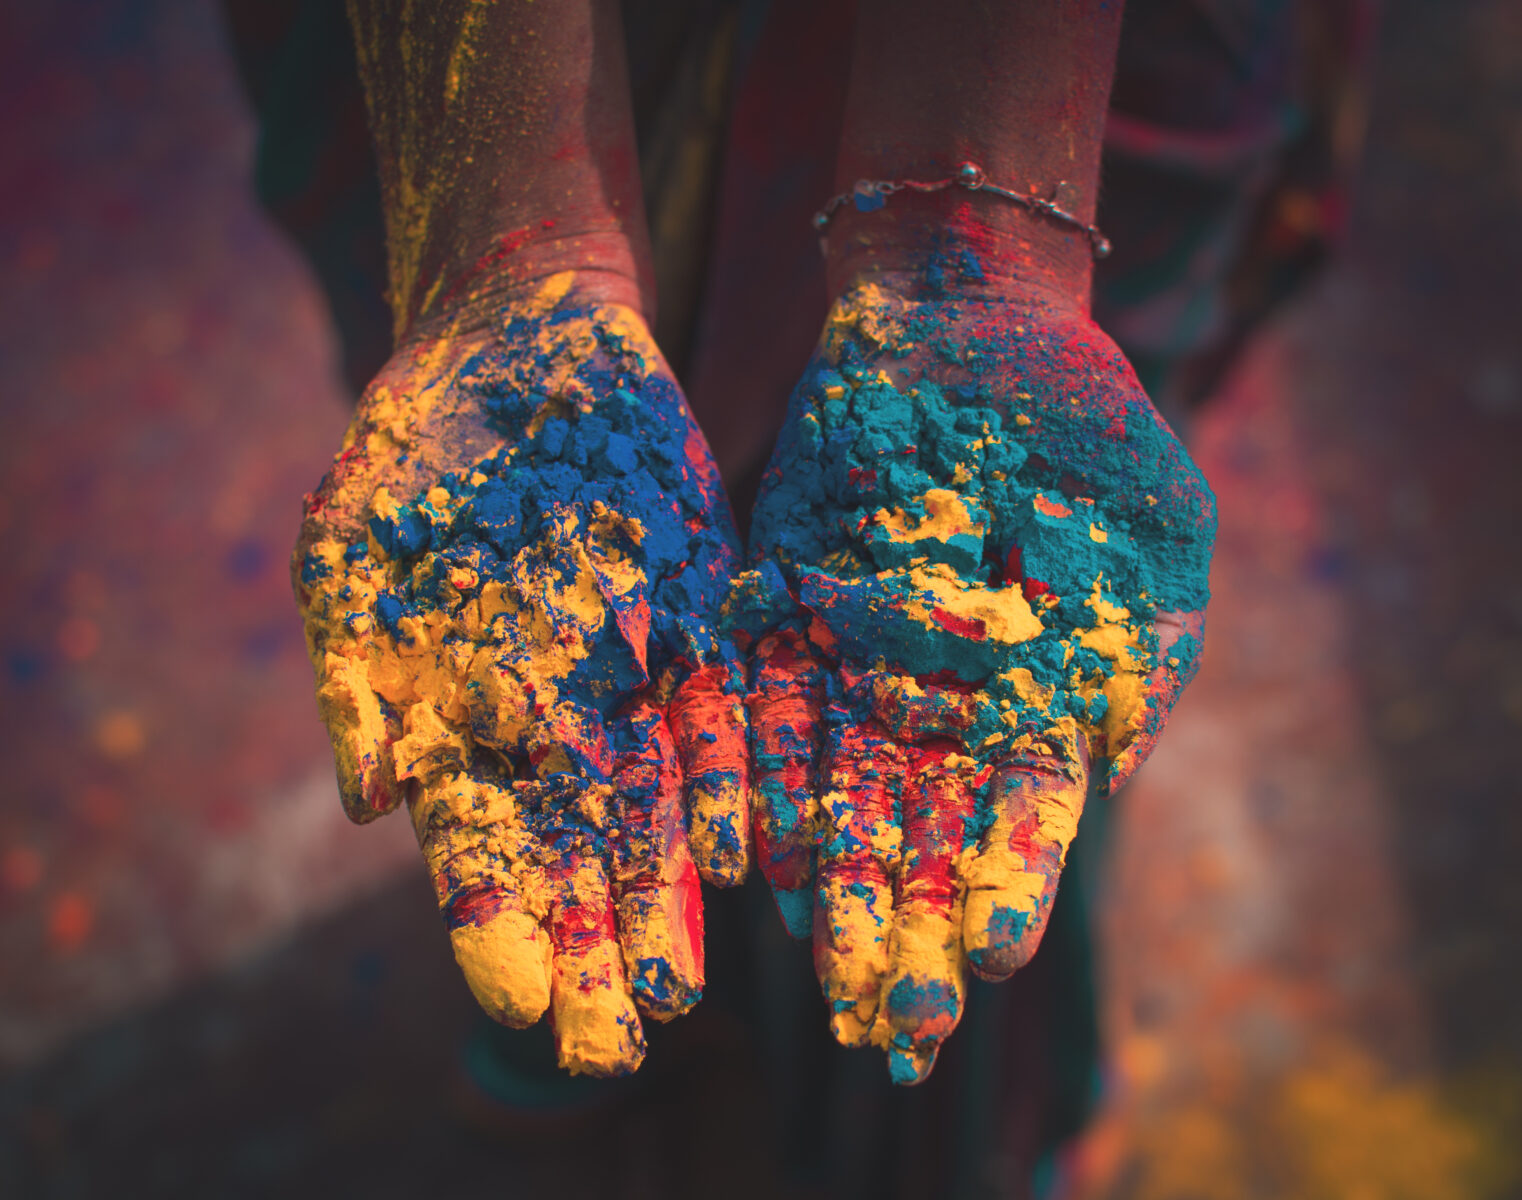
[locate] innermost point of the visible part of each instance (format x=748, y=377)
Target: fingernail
x=993, y=934
x=504, y=957
x=662, y=992
x=718, y=834
x=848, y=1028
x=927, y=1008
x=600, y=1037
x=908, y=1067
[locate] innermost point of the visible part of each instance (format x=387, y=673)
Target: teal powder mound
x=1052, y=450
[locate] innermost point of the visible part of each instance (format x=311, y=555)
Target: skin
x=866, y=807
x=506, y=151
x=570, y=749
x=1021, y=89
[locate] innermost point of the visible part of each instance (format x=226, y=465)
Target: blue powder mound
x=874, y=446
x=625, y=446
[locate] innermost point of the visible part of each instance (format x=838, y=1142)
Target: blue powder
x=1086, y=489
x=627, y=450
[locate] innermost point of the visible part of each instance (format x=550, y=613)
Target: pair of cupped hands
x=532, y=622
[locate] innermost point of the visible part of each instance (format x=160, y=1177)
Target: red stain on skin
x=315, y=502
x=503, y=248
x=980, y=236
x=378, y=794
x=1026, y=841
x=868, y=768
x=474, y=905
x=937, y=808
x=863, y=477
x=707, y=733
x=690, y=898
x=700, y=458
x=654, y=872
x=1031, y=588
x=967, y=627
x=997, y=251
x=574, y=924
x=354, y=456
x=786, y=710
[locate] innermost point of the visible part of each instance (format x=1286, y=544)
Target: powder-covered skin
x=980, y=575
x=511, y=581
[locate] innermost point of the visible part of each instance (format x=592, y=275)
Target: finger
x=1012, y=876
x=492, y=897
x=363, y=728
x=785, y=705
x=597, y=1031
x=709, y=725
x=1136, y=715
x=854, y=898
x=658, y=897
x=926, y=981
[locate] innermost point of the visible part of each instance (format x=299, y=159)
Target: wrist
x=608, y=266
x=967, y=245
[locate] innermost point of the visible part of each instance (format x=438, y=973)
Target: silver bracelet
x=871, y=194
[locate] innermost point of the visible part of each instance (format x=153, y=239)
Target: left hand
x=980, y=584
x=510, y=580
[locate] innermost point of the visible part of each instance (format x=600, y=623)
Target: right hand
x=980, y=586
x=509, y=579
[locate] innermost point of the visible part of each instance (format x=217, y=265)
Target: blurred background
x=210, y=984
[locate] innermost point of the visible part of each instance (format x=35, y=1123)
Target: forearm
x=506, y=149
x=1019, y=87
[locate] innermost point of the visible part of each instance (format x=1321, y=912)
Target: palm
x=510, y=580
x=979, y=552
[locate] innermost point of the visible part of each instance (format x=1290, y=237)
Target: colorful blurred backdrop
x=211, y=985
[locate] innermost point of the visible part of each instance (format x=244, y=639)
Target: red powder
x=967, y=627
